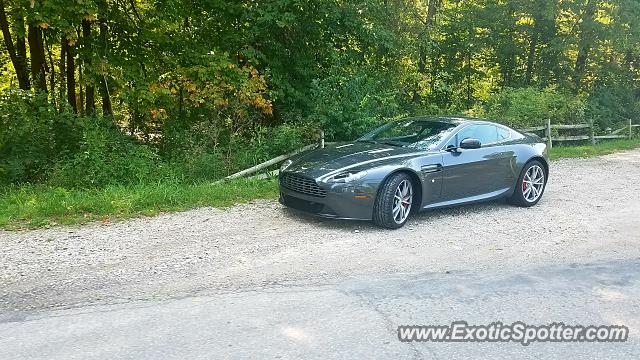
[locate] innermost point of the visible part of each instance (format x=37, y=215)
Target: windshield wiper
x=367, y=141
x=392, y=143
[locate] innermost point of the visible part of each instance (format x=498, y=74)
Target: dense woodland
x=98, y=92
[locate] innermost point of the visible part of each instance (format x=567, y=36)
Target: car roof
x=454, y=120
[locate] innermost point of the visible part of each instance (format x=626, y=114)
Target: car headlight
x=286, y=164
x=347, y=176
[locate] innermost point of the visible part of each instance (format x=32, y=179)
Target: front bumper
x=339, y=203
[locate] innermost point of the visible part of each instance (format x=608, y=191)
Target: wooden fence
x=547, y=134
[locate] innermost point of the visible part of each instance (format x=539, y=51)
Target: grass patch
x=43, y=206
x=601, y=148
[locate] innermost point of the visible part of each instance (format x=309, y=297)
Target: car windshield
x=419, y=134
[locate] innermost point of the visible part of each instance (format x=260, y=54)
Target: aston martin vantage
x=415, y=164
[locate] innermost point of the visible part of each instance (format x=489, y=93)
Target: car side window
x=487, y=134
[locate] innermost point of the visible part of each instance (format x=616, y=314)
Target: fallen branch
x=266, y=175
x=268, y=163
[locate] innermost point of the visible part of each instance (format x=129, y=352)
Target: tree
x=587, y=35
x=70, y=67
x=17, y=52
x=90, y=90
x=38, y=62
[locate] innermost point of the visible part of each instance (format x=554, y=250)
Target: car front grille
x=302, y=185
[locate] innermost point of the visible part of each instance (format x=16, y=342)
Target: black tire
x=518, y=198
x=383, y=206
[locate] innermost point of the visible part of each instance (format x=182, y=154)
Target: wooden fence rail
x=549, y=138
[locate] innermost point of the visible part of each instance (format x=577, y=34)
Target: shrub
x=32, y=134
x=611, y=107
x=198, y=167
x=284, y=138
x=526, y=107
x=106, y=156
x=200, y=157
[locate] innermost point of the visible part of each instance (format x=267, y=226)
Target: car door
x=472, y=174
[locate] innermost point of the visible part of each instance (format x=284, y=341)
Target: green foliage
x=611, y=107
x=284, y=138
x=106, y=157
x=269, y=142
x=201, y=159
x=527, y=107
x=40, y=144
x=348, y=105
x=32, y=134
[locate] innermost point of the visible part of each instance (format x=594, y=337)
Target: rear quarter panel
x=526, y=152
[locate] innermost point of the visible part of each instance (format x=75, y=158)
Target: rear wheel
x=530, y=185
x=393, y=203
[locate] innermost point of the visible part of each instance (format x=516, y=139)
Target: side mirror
x=470, y=143
x=452, y=148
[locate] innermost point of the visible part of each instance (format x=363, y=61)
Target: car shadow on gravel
x=423, y=217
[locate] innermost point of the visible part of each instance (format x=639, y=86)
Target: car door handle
x=431, y=168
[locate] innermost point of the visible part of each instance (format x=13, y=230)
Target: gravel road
x=589, y=212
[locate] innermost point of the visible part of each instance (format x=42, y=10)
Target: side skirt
x=472, y=199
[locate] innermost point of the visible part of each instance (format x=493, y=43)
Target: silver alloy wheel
x=533, y=183
x=402, y=200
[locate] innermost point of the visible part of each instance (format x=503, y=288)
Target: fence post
x=321, y=139
x=592, y=135
x=630, y=129
x=548, y=133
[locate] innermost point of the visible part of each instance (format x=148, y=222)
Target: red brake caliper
x=524, y=185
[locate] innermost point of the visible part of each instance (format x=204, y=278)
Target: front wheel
x=530, y=185
x=393, y=203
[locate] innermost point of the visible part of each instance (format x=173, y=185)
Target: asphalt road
x=257, y=281
x=354, y=319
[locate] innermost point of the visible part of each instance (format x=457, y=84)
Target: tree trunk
x=71, y=75
x=38, y=62
x=530, y=58
x=422, y=67
x=21, y=49
x=431, y=11
x=106, y=99
x=422, y=55
x=104, y=88
x=469, y=90
x=422, y=61
x=90, y=90
x=19, y=62
x=584, y=43
x=52, y=72
x=80, y=96
x=507, y=57
x=63, y=82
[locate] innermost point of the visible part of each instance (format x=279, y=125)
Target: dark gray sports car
x=415, y=164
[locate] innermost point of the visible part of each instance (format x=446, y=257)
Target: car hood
x=319, y=162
